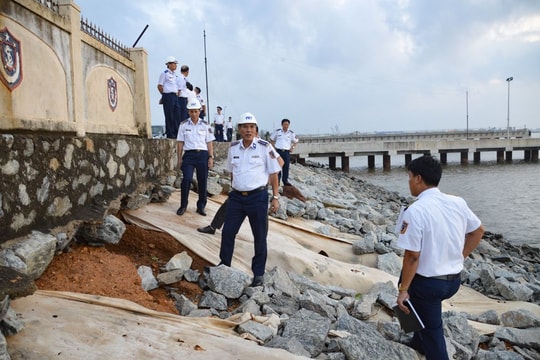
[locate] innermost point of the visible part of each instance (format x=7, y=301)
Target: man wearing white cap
x=252, y=162
x=195, y=141
x=168, y=88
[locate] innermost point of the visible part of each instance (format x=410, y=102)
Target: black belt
x=443, y=277
x=196, y=150
x=282, y=150
x=246, y=193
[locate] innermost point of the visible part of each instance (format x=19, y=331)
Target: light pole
x=508, y=113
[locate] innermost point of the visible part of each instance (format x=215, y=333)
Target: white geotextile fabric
x=61, y=325
x=91, y=327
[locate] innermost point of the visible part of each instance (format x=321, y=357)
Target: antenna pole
x=139, y=38
x=206, y=76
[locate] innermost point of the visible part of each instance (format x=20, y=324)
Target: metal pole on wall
x=508, y=113
x=206, y=77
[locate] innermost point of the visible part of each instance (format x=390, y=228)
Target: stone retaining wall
x=51, y=180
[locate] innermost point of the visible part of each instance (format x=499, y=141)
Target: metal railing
x=50, y=4
x=104, y=38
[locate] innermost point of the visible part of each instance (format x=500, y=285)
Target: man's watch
x=275, y=197
x=211, y=156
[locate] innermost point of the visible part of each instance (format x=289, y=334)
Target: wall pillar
x=69, y=9
x=508, y=156
x=141, y=98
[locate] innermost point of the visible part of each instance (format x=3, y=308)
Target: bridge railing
x=426, y=135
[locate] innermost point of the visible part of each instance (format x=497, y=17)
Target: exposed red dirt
x=111, y=270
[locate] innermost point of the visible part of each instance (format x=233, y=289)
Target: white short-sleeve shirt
x=169, y=80
x=435, y=225
x=284, y=139
x=251, y=166
x=195, y=136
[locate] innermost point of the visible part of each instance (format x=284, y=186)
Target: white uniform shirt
x=435, y=225
x=195, y=136
x=201, y=100
x=182, y=86
x=219, y=119
x=283, y=140
x=251, y=166
x=169, y=80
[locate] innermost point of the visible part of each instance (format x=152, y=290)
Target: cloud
x=367, y=65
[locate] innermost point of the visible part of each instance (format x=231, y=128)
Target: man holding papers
x=438, y=231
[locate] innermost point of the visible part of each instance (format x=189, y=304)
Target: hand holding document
x=411, y=321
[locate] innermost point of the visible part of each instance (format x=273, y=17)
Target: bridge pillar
x=476, y=157
x=332, y=162
x=527, y=155
x=509, y=156
x=444, y=158
x=464, y=158
x=345, y=164
x=534, y=155
x=371, y=161
x=386, y=162
x=500, y=156
x=408, y=159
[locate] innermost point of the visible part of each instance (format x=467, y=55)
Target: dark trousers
x=229, y=134
x=194, y=160
x=426, y=295
x=219, y=132
x=255, y=207
x=219, y=218
x=286, y=156
x=183, y=109
x=171, y=110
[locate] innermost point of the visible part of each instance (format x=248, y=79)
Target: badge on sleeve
x=272, y=155
x=404, y=226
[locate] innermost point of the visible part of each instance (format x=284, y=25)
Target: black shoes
x=201, y=212
x=207, y=230
x=257, y=281
x=181, y=211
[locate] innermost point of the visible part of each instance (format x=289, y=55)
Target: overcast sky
x=338, y=66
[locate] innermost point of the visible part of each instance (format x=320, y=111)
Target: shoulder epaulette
x=235, y=143
x=183, y=122
x=263, y=142
x=291, y=131
x=279, y=129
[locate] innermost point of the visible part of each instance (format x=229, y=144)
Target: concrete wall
x=64, y=74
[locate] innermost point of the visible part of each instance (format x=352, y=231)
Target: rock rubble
x=313, y=320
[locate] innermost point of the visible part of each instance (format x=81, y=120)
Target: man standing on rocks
x=438, y=231
x=284, y=141
x=195, y=141
x=252, y=162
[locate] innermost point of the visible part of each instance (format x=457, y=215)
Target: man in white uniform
x=437, y=232
x=195, y=151
x=252, y=163
x=284, y=141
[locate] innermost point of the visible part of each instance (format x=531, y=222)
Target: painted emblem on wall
x=112, y=91
x=11, y=69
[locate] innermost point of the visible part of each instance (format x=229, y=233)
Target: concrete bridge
x=503, y=142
